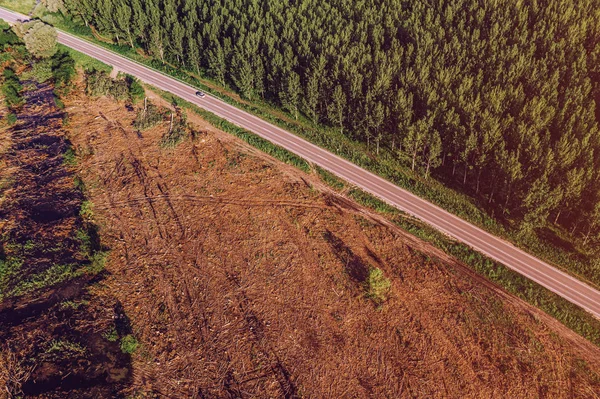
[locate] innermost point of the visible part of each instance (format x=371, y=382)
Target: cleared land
x=244, y=277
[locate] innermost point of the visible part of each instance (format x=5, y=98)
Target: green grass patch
x=22, y=6
x=111, y=335
x=87, y=210
x=330, y=179
x=70, y=157
x=71, y=305
x=85, y=62
x=64, y=347
x=97, y=263
x=377, y=286
x=56, y=274
x=129, y=344
x=11, y=119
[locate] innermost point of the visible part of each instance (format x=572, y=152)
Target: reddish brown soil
x=243, y=278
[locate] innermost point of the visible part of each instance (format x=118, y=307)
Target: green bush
x=136, y=90
x=99, y=83
x=69, y=157
x=129, y=344
x=11, y=119
x=63, y=68
x=377, y=286
x=41, y=71
x=148, y=117
x=11, y=89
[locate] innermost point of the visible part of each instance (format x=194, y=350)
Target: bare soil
x=244, y=278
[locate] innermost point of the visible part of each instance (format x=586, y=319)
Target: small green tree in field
x=136, y=90
x=63, y=68
x=11, y=89
x=41, y=40
x=377, y=286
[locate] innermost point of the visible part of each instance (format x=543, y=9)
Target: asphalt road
x=548, y=276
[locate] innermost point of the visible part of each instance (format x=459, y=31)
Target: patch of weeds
x=59, y=104
x=9, y=268
x=29, y=245
x=69, y=157
x=97, y=263
x=65, y=348
x=129, y=344
x=49, y=277
x=87, y=210
x=178, y=132
x=79, y=184
x=85, y=241
x=111, y=335
x=11, y=119
x=330, y=179
x=148, y=116
x=72, y=305
x=377, y=286
x=173, y=138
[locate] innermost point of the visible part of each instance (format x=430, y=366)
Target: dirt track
x=244, y=279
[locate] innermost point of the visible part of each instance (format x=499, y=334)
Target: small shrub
x=111, y=335
x=136, y=90
x=69, y=157
x=87, y=210
x=129, y=344
x=41, y=71
x=11, y=119
x=148, y=117
x=377, y=286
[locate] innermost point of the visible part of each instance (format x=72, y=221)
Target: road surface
x=544, y=274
